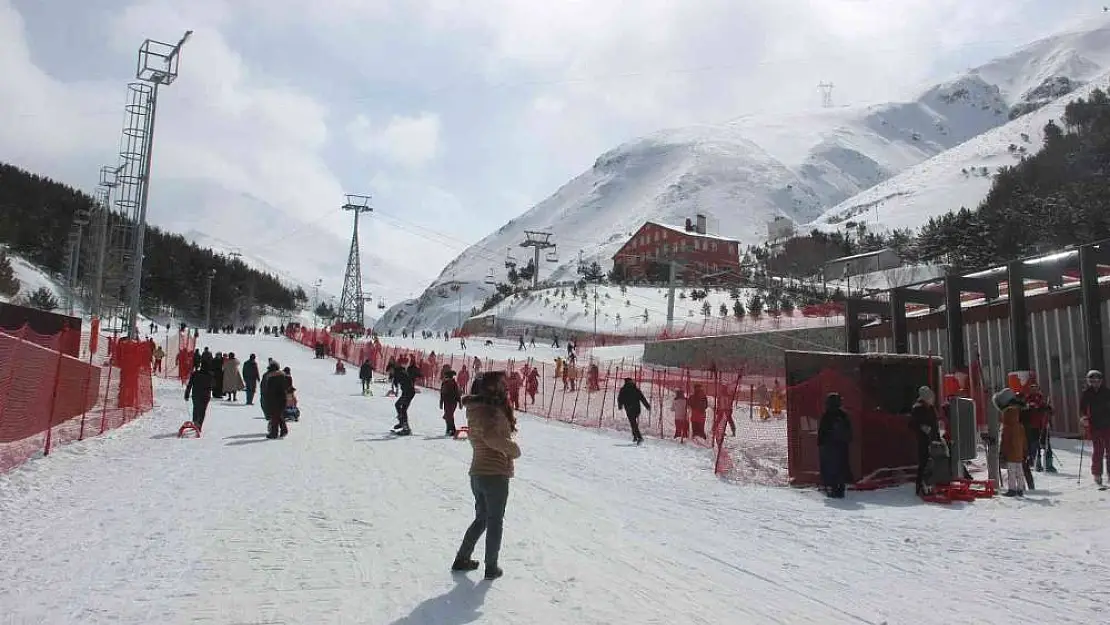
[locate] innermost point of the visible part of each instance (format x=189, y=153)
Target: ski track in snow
x=342, y=523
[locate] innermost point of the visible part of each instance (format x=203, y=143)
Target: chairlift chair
x=381, y=303
x=553, y=255
x=510, y=260
x=490, y=279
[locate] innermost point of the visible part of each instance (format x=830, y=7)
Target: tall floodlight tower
x=73, y=259
x=109, y=179
x=157, y=66
x=538, y=241
x=351, y=313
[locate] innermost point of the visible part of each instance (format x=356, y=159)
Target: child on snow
x=681, y=418
x=1014, y=446
x=698, y=405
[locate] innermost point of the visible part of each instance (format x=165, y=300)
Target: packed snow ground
x=340, y=523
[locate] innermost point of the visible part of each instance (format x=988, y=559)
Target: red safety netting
x=585, y=394
x=48, y=397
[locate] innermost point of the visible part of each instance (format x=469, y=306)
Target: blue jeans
x=491, y=494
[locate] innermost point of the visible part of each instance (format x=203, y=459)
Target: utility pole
x=208, y=302
x=595, y=314
x=352, y=311
x=537, y=241
x=157, y=66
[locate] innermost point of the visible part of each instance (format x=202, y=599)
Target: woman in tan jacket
x=492, y=423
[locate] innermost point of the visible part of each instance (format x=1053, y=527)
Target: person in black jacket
x=275, y=387
x=406, y=381
x=366, y=374
x=1094, y=410
x=630, y=399
x=200, y=387
x=250, y=378
x=926, y=426
x=834, y=438
x=449, y=399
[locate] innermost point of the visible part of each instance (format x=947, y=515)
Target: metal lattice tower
x=157, y=65
x=109, y=241
x=352, y=307
x=538, y=241
x=826, y=89
x=73, y=257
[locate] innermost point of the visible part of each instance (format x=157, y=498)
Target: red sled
x=186, y=427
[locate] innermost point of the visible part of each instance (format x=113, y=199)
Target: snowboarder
x=492, y=425
x=926, y=426
x=449, y=398
x=250, y=378
x=630, y=399
x=200, y=387
x=366, y=374
x=834, y=436
x=1094, y=405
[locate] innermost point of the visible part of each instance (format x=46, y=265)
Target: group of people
x=221, y=376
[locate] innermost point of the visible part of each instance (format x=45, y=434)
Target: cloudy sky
x=456, y=115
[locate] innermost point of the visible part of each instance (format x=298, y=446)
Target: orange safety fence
x=751, y=404
x=49, y=397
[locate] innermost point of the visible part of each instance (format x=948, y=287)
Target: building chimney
x=689, y=225
x=701, y=224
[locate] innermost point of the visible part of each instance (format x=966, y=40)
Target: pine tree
x=755, y=304
x=723, y=311
x=738, y=309
x=706, y=309
x=9, y=284
x=43, y=299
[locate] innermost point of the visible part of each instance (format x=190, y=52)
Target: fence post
x=54, y=394
x=84, y=397
x=104, y=400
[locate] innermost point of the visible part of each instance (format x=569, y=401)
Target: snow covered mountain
x=746, y=172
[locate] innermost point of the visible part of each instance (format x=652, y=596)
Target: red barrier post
x=54, y=393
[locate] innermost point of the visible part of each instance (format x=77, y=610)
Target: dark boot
x=464, y=564
x=493, y=572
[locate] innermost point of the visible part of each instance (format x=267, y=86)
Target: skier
x=390, y=370
x=200, y=387
x=250, y=378
x=492, y=425
x=630, y=399
x=515, y=382
x=449, y=398
x=1039, y=419
x=464, y=377
x=521, y=347
x=834, y=436
x=1094, y=405
x=159, y=354
x=722, y=414
x=275, y=388
x=532, y=384
x=924, y=423
x=218, y=375
x=366, y=374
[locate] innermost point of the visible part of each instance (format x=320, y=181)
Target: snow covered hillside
x=635, y=312
x=748, y=171
x=341, y=523
x=31, y=278
x=960, y=177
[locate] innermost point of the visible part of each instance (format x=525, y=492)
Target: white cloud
x=409, y=141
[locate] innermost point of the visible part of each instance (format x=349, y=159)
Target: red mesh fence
x=585, y=395
x=48, y=397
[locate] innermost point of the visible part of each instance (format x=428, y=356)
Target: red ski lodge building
x=654, y=245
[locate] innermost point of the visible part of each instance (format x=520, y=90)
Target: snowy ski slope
x=339, y=523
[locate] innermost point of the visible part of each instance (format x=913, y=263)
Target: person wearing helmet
x=1094, y=405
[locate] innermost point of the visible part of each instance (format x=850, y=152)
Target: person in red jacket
x=1038, y=422
x=532, y=384
x=1094, y=405
x=449, y=398
x=514, y=389
x=698, y=404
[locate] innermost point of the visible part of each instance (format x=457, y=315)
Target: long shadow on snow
x=256, y=435
x=248, y=441
x=458, y=606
